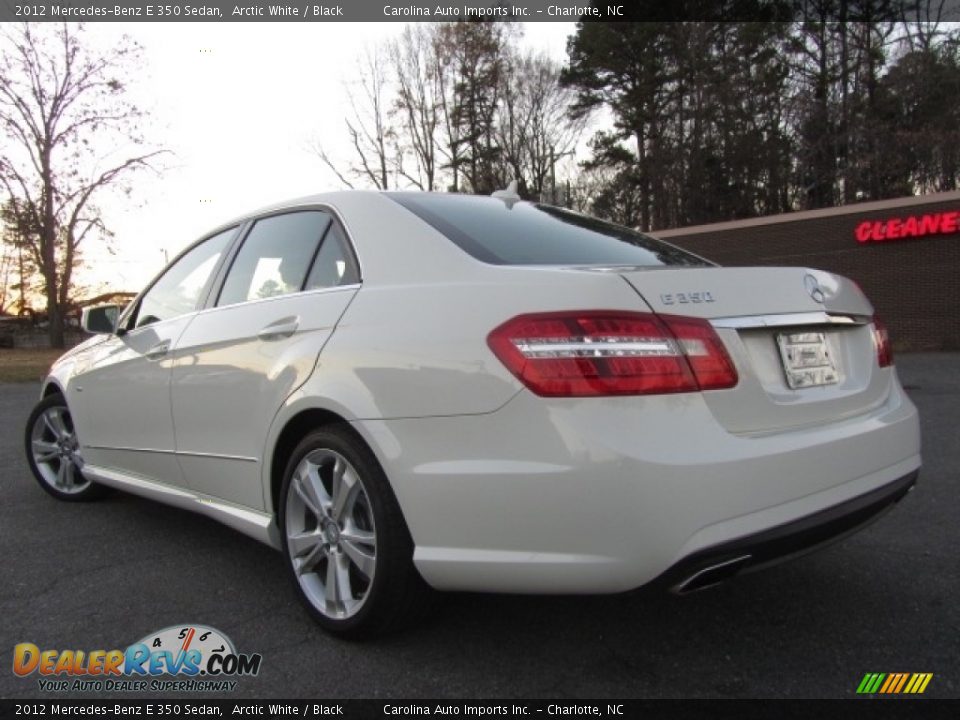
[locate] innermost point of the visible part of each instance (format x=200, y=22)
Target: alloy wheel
x=330, y=533
x=56, y=452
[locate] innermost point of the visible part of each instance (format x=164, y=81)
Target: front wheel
x=54, y=453
x=347, y=547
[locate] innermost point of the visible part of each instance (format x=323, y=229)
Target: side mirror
x=100, y=320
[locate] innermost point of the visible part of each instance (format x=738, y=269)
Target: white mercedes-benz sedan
x=408, y=391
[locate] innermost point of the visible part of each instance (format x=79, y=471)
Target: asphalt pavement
x=103, y=575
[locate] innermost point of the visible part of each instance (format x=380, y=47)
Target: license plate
x=806, y=359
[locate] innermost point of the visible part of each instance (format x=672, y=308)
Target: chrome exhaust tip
x=711, y=575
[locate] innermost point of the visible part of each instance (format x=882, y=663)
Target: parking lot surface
x=104, y=575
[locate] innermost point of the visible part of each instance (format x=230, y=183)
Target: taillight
x=597, y=352
x=881, y=340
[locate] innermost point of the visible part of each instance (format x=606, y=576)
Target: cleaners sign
x=915, y=226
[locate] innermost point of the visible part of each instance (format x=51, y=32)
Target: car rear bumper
x=587, y=496
x=714, y=565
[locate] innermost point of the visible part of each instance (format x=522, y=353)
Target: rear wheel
x=53, y=452
x=347, y=547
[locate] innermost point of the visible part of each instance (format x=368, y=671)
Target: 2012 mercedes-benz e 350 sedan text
x=406, y=391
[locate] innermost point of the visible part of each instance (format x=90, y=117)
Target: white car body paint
x=502, y=490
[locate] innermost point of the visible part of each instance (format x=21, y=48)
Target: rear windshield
x=503, y=232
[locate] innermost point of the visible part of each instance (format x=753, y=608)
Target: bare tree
x=368, y=127
x=453, y=142
x=534, y=128
x=473, y=54
x=921, y=23
x=70, y=134
x=456, y=106
x=419, y=102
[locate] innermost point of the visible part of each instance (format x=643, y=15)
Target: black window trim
x=316, y=253
x=350, y=258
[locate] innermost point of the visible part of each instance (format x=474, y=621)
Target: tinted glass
x=334, y=264
x=521, y=233
x=275, y=257
x=178, y=290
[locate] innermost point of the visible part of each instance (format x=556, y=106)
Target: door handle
x=158, y=350
x=280, y=329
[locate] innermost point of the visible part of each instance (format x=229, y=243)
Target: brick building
x=904, y=253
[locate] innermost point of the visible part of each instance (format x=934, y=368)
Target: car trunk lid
x=801, y=339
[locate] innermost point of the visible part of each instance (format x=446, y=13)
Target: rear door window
x=275, y=257
x=334, y=264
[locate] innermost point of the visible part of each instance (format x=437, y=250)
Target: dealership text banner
x=352, y=11
x=326, y=11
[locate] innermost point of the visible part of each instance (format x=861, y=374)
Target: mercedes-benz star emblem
x=813, y=287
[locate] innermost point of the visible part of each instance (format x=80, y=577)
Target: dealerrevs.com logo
x=201, y=659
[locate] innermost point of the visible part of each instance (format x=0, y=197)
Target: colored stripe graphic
x=870, y=683
x=892, y=679
x=894, y=683
x=920, y=682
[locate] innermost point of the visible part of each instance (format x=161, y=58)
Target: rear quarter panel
x=421, y=350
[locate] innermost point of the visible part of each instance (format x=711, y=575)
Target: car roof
x=327, y=198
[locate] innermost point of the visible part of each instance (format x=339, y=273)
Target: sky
x=237, y=105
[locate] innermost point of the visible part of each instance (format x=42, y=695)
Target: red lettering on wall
x=913, y=226
x=930, y=224
x=948, y=222
x=909, y=227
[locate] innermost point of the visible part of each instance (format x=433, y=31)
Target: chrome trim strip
x=129, y=449
x=241, y=458
x=787, y=319
x=596, y=347
x=287, y=296
x=187, y=453
x=254, y=523
x=216, y=508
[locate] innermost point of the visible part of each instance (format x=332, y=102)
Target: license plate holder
x=807, y=361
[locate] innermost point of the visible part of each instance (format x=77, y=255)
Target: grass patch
x=26, y=364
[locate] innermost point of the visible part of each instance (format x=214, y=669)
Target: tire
x=53, y=452
x=346, y=545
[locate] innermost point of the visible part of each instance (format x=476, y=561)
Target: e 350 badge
x=203, y=657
